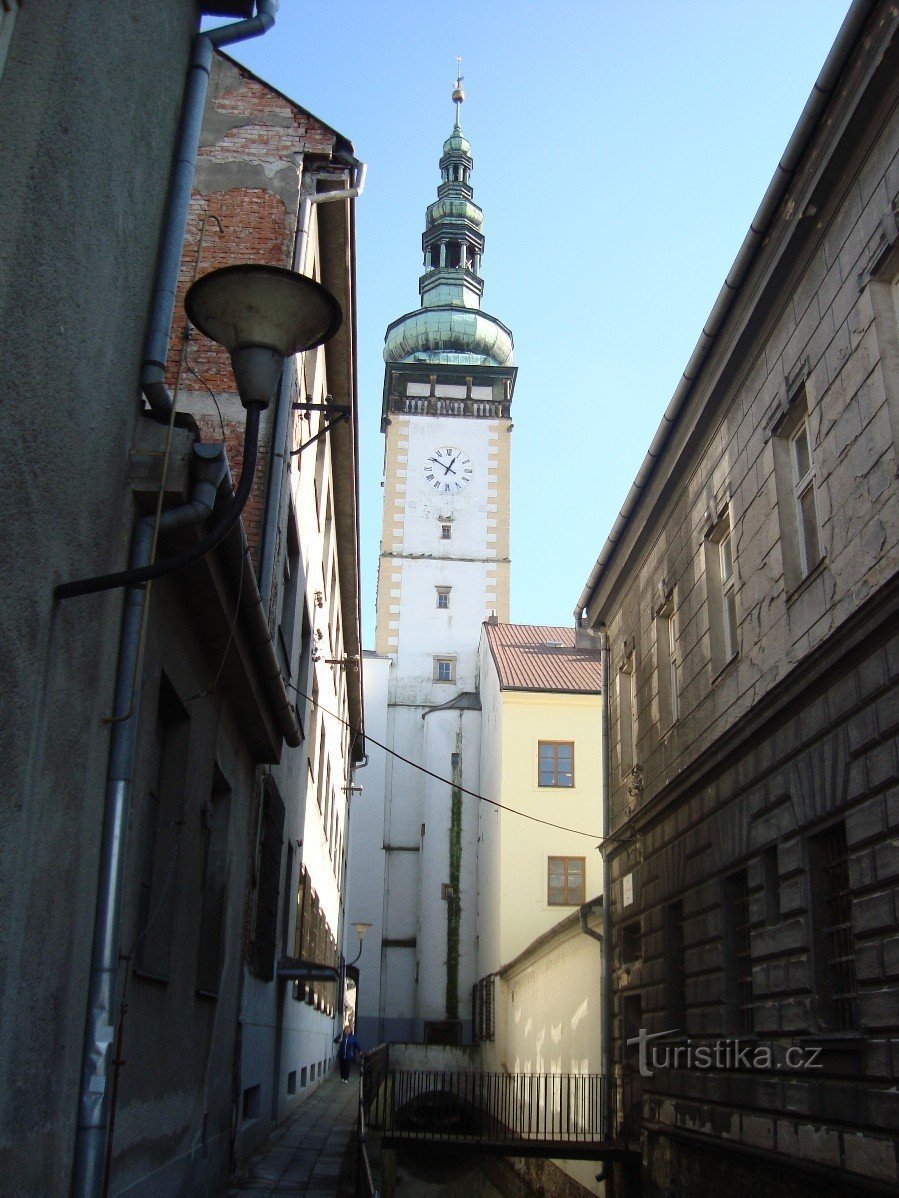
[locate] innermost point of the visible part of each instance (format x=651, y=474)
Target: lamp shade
x=256, y=305
x=361, y=929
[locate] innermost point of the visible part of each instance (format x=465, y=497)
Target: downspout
x=159, y=325
x=210, y=468
x=584, y=914
x=281, y=454
x=605, y=996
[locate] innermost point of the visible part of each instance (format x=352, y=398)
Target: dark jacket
x=348, y=1048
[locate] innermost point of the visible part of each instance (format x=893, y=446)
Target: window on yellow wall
x=555, y=763
x=565, y=887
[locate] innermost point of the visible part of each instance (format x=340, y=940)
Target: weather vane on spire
x=458, y=93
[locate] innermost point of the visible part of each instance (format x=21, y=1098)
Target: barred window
x=483, y=1009
x=834, y=946
x=738, y=950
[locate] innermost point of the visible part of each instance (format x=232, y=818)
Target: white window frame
x=803, y=485
x=667, y=664
x=443, y=593
x=721, y=589
x=728, y=592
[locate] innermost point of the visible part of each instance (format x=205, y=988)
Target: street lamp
x=261, y=315
x=361, y=929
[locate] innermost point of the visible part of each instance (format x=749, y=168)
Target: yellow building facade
x=541, y=766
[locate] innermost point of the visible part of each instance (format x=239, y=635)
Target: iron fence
x=499, y=1108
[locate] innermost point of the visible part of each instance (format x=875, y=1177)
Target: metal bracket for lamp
x=261, y=315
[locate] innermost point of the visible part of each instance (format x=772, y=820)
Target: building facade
x=444, y=567
x=122, y=1001
x=275, y=184
x=541, y=766
x=749, y=593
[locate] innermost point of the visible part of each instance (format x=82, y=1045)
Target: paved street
x=311, y=1153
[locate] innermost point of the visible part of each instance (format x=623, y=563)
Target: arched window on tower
x=453, y=254
x=435, y=257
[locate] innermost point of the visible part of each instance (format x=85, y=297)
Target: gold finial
x=458, y=93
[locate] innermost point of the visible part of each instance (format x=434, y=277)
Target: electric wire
x=448, y=782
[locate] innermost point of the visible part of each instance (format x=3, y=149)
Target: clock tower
x=448, y=383
x=443, y=570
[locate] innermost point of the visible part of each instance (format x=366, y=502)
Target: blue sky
x=621, y=149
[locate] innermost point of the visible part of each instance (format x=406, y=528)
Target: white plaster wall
x=366, y=858
x=448, y=732
x=549, y=1008
x=425, y=509
x=490, y=823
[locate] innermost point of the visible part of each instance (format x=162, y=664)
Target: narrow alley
x=311, y=1153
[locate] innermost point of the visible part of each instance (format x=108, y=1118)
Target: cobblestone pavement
x=311, y=1153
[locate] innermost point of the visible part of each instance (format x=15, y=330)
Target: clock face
x=448, y=470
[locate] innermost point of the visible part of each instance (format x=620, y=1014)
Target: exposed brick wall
x=244, y=208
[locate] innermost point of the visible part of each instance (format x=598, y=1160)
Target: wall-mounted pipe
x=210, y=469
x=607, y=1064
x=584, y=914
x=162, y=307
x=147, y=571
x=281, y=435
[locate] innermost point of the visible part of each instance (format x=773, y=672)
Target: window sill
x=159, y=978
x=726, y=668
x=802, y=587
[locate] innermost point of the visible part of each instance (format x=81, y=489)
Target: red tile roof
x=536, y=657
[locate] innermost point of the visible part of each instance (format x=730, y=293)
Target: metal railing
x=540, y=1111
x=374, y=1070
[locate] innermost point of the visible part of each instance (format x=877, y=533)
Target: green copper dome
x=454, y=206
x=465, y=336
x=456, y=143
x=450, y=327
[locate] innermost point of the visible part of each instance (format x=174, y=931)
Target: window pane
x=727, y=561
x=809, y=513
x=801, y=456
x=730, y=626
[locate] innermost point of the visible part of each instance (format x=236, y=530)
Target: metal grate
x=837, y=931
x=741, y=949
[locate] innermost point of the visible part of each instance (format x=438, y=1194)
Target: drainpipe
x=605, y=997
x=156, y=345
x=210, y=469
x=584, y=914
x=281, y=454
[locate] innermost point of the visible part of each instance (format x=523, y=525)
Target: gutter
x=824, y=86
x=162, y=307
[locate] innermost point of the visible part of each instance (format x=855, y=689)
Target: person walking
x=348, y=1046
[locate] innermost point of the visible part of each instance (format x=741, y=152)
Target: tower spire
x=458, y=93
x=450, y=325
